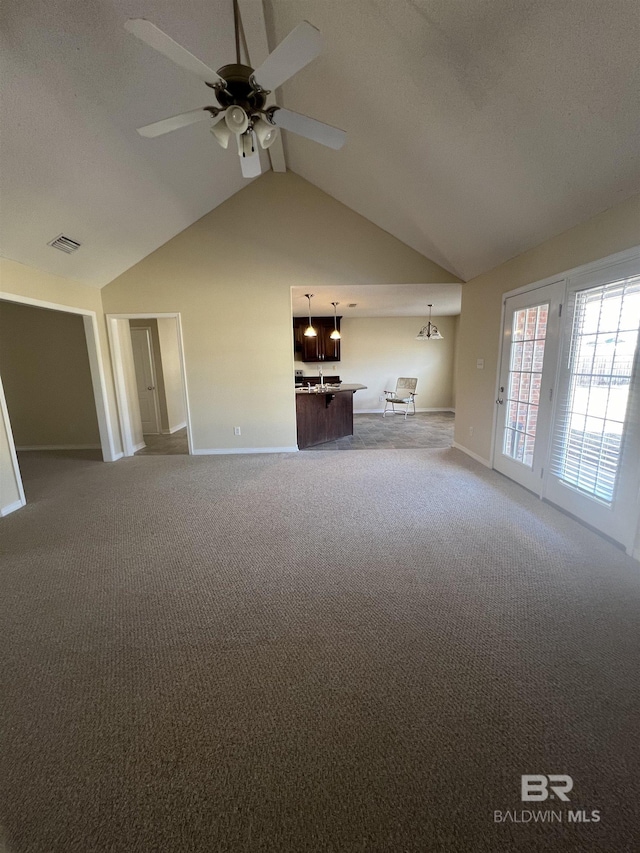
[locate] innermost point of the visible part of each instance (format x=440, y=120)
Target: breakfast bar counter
x=324, y=413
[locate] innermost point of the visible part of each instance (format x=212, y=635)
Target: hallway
x=166, y=445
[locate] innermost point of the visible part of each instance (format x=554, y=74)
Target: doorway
x=568, y=401
x=151, y=389
x=53, y=396
x=87, y=332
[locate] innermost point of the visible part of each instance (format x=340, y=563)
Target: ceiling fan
x=241, y=93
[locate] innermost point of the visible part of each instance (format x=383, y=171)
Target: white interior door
x=526, y=385
x=594, y=469
x=146, y=380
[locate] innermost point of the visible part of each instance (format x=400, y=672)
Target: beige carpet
x=309, y=652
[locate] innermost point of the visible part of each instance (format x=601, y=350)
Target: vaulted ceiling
x=476, y=129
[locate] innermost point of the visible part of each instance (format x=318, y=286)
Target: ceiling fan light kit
x=266, y=133
x=236, y=119
x=241, y=93
x=222, y=134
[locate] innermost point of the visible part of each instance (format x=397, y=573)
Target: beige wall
x=47, y=380
x=35, y=284
x=375, y=351
x=230, y=276
x=172, y=373
x=612, y=231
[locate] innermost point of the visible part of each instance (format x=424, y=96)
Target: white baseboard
x=7, y=510
x=137, y=447
x=115, y=457
x=398, y=412
x=174, y=429
x=223, y=451
x=473, y=455
x=26, y=447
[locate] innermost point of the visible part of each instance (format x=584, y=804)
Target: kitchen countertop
x=331, y=389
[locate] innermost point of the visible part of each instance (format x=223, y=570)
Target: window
x=601, y=357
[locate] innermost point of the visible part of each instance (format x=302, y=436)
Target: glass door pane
x=605, y=334
x=529, y=330
x=594, y=451
x=527, y=373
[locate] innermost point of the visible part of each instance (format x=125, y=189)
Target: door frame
x=599, y=265
x=98, y=380
x=4, y=415
x=154, y=374
x=124, y=406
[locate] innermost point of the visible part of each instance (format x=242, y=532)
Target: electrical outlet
x=236, y=431
x=470, y=430
x=381, y=399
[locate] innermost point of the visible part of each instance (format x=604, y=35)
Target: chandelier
x=429, y=332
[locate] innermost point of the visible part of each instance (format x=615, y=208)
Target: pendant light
x=429, y=332
x=335, y=335
x=310, y=332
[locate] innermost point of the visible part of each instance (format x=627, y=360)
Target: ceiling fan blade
x=250, y=166
x=302, y=45
x=154, y=37
x=166, y=125
x=332, y=137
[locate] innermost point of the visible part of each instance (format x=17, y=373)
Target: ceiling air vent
x=352, y=305
x=65, y=244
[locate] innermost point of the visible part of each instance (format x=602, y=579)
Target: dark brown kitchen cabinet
x=322, y=347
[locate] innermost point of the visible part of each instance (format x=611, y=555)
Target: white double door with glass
x=568, y=424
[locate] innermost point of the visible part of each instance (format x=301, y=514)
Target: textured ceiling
x=476, y=129
x=75, y=87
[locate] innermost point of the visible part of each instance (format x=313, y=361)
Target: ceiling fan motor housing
x=239, y=90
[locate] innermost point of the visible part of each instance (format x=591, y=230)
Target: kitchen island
x=324, y=413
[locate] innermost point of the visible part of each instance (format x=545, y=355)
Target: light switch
x=480, y=364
